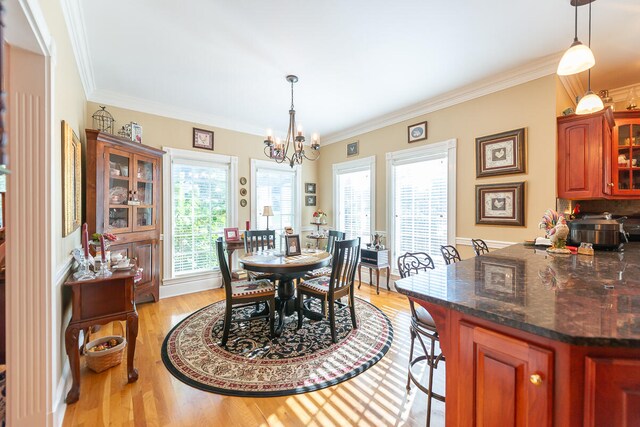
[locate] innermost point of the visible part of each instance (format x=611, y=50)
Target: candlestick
x=247, y=225
x=85, y=239
x=103, y=252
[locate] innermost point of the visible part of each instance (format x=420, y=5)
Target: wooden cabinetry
x=625, y=154
x=584, y=161
x=509, y=381
x=123, y=190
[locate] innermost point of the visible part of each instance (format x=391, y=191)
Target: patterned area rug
x=297, y=362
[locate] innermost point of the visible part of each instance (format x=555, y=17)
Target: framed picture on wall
x=310, y=200
x=417, y=132
x=310, y=187
x=352, y=149
x=203, y=138
x=71, y=181
x=501, y=154
x=500, y=204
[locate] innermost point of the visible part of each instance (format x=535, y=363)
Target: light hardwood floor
x=376, y=397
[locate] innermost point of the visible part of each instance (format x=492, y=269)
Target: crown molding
x=73, y=16
x=574, y=87
x=620, y=94
x=160, y=109
x=531, y=71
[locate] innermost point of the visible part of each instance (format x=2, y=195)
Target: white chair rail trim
x=492, y=244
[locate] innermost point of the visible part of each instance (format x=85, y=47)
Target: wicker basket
x=99, y=361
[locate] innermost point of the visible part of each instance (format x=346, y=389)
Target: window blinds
x=354, y=204
x=199, y=202
x=275, y=188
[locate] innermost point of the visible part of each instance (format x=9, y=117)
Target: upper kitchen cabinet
x=626, y=154
x=584, y=155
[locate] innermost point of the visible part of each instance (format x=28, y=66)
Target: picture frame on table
x=292, y=245
x=501, y=154
x=417, y=132
x=72, y=180
x=310, y=187
x=309, y=200
x=353, y=149
x=203, y=138
x=500, y=204
x=231, y=234
x=501, y=279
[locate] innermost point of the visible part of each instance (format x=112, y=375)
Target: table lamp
x=267, y=211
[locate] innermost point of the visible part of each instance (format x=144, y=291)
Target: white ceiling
x=224, y=62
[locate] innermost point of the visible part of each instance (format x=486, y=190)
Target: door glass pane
x=118, y=191
x=623, y=157
x=145, y=170
x=145, y=193
x=623, y=180
x=119, y=217
x=635, y=133
x=118, y=165
x=624, y=135
x=144, y=217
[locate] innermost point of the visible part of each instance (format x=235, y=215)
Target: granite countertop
x=577, y=299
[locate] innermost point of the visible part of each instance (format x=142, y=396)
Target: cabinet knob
x=535, y=379
x=610, y=184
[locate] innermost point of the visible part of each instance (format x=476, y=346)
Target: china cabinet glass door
x=118, y=187
x=627, y=160
x=144, y=193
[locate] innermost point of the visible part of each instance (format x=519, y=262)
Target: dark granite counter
x=577, y=299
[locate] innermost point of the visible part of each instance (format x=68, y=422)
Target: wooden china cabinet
x=625, y=165
x=123, y=191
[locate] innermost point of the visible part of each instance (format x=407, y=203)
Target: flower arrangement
x=95, y=237
x=319, y=216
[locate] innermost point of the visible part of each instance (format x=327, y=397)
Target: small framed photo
x=231, y=234
x=292, y=244
x=500, y=204
x=352, y=149
x=309, y=200
x=274, y=154
x=417, y=132
x=501, y=154
x=501, y=279
x=136, y=132
x=310, y=187
x=203, y=138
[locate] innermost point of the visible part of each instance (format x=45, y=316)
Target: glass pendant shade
x=576, y=59
x=589, y=103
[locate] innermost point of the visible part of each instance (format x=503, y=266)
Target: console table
x=374, y=260
x=232, y=246
x=97, y=302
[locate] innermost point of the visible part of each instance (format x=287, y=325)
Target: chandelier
x=292, y=149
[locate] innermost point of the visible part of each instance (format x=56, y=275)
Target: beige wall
x=531, y=105
x=161, y=132
x=69, y=104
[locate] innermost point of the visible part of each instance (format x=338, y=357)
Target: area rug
x=298, y=361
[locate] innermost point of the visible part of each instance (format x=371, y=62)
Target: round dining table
x=285, y=270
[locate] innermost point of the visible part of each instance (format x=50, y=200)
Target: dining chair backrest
x=224, y=268
x=413, y=263
x=479, y=247
x=332, y=237
x=344, y=264
x=257, y=240
x=450, y=254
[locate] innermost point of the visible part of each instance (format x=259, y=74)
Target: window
x=278, y=186
x=423, y=213
x=353, y=189
x=199, y=208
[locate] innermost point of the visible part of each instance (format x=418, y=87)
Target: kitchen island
x=536, y=339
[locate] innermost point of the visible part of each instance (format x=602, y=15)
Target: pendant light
x=590, y=102
x=578, y=57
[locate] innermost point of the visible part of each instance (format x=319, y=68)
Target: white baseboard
x=64, y=384
x=189, y=285
x=492, y=244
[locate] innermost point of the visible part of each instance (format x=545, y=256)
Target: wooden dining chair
x=259, y=240
x=450, y=254
x=332, y=237
x=243, y=293
x=422, y=325
x=479, y=247
x=329, y=289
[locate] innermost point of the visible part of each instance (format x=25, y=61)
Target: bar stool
x=450, y=254
x=479, y=247
x=422, y=325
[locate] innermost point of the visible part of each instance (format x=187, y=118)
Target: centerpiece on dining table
x=319, y=217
